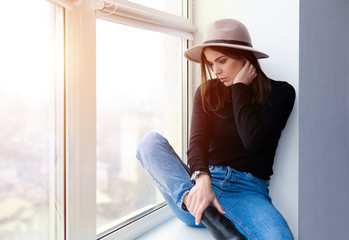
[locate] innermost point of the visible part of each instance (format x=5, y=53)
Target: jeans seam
x=152, y=177
x=180, y=203
x=185, y=167
x=238, y=222
x=233, y=218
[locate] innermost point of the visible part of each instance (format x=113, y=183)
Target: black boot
x=220, y=227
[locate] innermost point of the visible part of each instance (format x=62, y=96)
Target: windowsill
x=159, y=225
x=174, y=229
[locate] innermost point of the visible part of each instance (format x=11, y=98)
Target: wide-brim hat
x=229, y=33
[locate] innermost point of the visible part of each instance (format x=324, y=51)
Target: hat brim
x=194, y=53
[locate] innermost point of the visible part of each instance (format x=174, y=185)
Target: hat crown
x=227, y=29
x=227, y=33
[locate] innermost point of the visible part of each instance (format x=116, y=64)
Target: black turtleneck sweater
x=241, y=135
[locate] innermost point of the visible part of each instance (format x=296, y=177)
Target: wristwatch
x=196, y=174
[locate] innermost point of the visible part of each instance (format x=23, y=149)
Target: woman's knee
x=149, y=142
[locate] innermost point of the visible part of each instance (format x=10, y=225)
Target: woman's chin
x=228, y=84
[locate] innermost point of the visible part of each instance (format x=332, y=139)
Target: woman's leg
x=169, y=173
x=246, y=201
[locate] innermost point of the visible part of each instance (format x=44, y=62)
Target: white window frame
x=80, y=52
x=136, y=15
x=80, y=77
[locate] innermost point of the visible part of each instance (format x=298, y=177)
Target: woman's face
x=224, y=67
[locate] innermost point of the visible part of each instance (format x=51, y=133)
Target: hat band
x=229, y=42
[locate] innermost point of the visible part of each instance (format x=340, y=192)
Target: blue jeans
x=244, y=198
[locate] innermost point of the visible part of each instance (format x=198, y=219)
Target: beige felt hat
x=226, y=33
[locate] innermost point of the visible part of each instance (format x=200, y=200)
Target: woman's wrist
x=202, y=179
x=198, y=173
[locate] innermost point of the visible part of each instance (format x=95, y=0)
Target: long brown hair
x=215, y=94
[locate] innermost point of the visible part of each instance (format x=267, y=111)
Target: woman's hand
x=200, y=197
x=246, y=74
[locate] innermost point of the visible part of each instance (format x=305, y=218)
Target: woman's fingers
x=246, y=74
x=198, y=213
x=200, y=197
x=196, y=208
x=197, y=202
x=218, y=206
x=197, y=205
x=251, y=69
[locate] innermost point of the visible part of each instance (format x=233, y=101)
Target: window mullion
x=81, y=122
x=57, y=127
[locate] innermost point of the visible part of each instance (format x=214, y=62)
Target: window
x=77, y=95
x=31, y=120
x=139, y=89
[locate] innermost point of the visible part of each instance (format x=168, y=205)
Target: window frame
x=80, y=79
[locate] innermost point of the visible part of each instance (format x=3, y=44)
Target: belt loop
x=228, y=172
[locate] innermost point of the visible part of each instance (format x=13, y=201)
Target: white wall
x=274, y=29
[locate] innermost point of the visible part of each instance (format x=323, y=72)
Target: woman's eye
x=222, y=61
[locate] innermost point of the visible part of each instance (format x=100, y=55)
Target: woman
x=237, y=120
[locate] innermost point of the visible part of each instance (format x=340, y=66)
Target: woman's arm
x=201, y=195
x=258, y=124
x=200, y=131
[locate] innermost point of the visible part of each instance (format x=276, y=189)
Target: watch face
x=195, y=175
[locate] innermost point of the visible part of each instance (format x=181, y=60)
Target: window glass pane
x=170, y=6
x=139, y=89
x=31, y=120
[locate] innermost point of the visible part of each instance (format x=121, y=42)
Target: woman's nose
x=216, y=69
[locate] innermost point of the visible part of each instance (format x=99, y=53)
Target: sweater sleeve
x=199, y=137
x=258, y=125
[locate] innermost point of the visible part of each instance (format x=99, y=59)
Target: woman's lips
x=222, y=79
